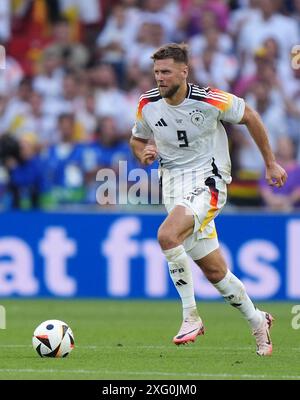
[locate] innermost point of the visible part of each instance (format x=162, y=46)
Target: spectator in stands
x=149, y=37
x=266, y=65
x=110, y=100
x=11, y=76
x=31, y=118
x=3, y=103
x=157, y=12
x=215, y=69
x=87, y=13
x=65, y=164
x=269, y=23
x=86, y=116
x=115, y=40
x=198, y=15
x=289, y=197
x=274, y=119
x=18, y=105
x=73, y=55
x=296, y=13
x=49, y=81
x=5, y=21
x=69, y=101
x=142, y=83
x=37, y=121
x=245, y=81
x=245, y=13
x=249, y=164
x=291, y=92
x=109, y=150
x=211, y=38
x=109, y=144
x=26, y=178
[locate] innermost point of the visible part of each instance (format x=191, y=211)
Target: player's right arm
x=141, y=134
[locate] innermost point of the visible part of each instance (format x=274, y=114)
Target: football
x=53, y=338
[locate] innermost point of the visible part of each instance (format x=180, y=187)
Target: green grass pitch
x=132, y=340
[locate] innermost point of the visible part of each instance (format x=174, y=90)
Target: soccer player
x=180, y=124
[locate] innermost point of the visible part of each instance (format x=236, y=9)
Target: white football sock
x=233, y=291
x=181, y=275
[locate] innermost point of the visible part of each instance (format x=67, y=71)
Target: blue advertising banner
x=118, y=256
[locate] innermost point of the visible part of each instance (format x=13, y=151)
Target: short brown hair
x=179, y=52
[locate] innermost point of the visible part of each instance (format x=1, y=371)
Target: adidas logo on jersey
x=161, y=122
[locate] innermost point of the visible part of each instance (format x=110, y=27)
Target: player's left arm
x=275, y=174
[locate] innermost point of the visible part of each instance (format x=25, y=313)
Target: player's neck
x=179, y=96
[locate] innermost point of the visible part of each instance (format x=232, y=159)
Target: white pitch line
x=151, y=347
x=14, y=345
x=135, y=373
x=133, y=346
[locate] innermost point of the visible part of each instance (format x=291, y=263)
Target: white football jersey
x=190, y=136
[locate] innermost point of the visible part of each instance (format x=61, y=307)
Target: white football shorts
x=205, y=202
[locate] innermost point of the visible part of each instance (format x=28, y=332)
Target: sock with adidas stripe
x=181, y=275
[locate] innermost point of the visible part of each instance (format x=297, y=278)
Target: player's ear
x=185, y=71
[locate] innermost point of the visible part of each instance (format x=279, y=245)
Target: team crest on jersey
x=197, y=117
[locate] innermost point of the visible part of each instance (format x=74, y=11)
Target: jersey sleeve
x=141, y=129
x=232, y=107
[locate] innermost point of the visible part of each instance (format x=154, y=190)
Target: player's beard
x=169, y=93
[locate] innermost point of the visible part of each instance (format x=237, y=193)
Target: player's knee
x=167, y=239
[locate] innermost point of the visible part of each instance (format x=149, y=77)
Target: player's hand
x=149, y=154
x=276, y=175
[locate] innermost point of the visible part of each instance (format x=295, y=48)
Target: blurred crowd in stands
x=75, y=70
